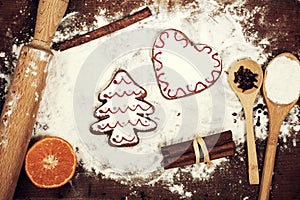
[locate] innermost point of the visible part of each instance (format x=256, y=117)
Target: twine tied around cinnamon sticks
x=200, y=141
x=186, y=153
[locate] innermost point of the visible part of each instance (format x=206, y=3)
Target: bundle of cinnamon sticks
x=183, y=154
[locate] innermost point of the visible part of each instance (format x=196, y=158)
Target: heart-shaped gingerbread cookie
x=181, y=67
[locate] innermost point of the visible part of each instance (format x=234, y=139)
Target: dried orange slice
x=50, y=162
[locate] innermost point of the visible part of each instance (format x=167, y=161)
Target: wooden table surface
x=281, y=26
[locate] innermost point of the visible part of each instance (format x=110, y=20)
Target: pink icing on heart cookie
x=181, y=67
x=123, y=112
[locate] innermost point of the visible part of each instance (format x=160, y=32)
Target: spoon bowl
x=254, y=67
x=247, y=88
x=277, y=113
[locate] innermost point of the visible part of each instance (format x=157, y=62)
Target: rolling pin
x=24, y=95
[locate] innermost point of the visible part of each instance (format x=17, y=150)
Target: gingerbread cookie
x=181, y=67
x=123, y=112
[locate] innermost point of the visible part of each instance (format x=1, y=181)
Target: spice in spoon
x=245, y=79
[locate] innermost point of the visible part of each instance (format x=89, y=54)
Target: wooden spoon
x=277, y=113
x=247, y=98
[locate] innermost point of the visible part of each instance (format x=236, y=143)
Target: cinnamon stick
x=105, y=30
x=214, y=153
x=192, y=160
x=210, y=141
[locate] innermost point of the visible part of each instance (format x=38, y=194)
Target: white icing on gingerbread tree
x=123, y=112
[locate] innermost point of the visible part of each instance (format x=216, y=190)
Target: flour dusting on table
x=208, y=22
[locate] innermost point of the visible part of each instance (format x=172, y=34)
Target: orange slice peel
x=50, y=162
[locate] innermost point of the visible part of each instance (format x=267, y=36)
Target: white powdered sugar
x=78, y=75
x=282, y=81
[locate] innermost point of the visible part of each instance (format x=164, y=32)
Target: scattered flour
x=207, y=22
x=180, y=190
x=2, y=54
x=7, y=79
x=201, y=26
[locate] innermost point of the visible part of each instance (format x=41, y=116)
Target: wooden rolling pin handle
x=50, y=13
x=19, y=114
x=22, y=102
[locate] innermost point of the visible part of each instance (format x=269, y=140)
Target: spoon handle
x=251, y=148
x=269, y=160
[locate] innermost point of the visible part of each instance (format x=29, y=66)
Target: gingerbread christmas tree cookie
x=123, y=112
